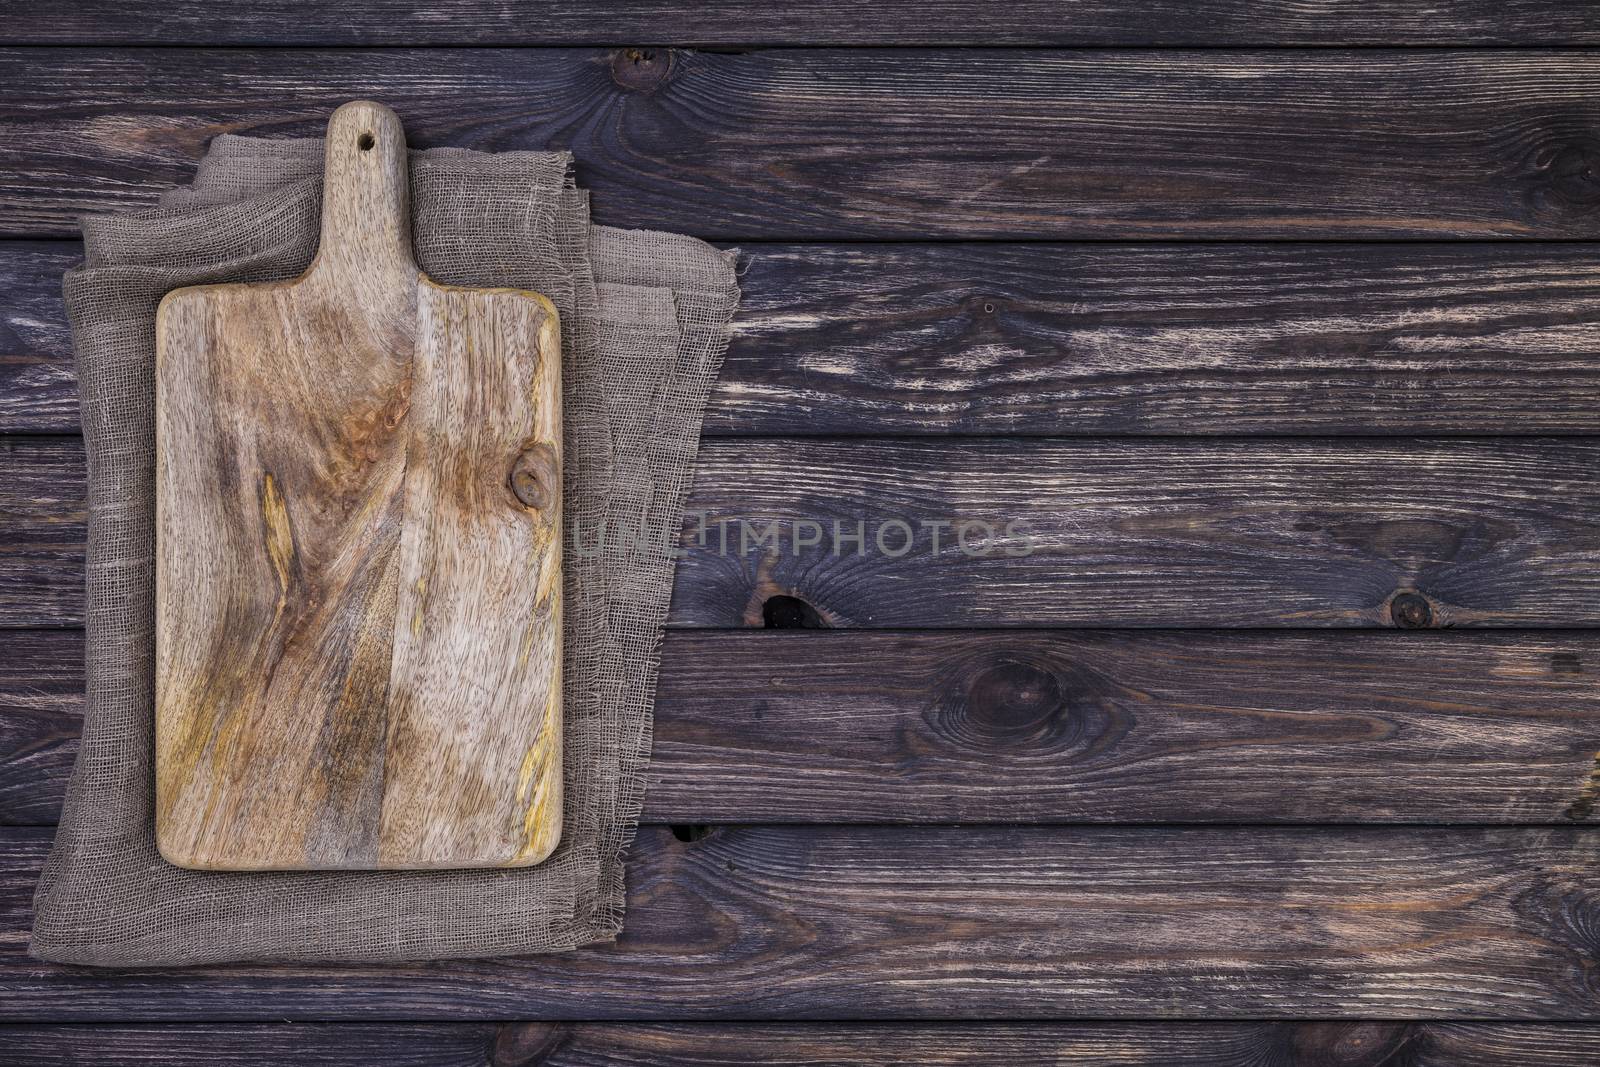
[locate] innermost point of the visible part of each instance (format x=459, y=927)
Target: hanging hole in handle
x=365, y=142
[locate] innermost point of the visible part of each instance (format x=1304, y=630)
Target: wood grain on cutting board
x=358, y=583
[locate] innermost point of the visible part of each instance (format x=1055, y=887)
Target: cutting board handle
x=366, y=211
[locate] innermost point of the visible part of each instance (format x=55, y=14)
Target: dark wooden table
x=1277, y=326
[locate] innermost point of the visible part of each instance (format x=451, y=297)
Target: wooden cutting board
x=358, y=578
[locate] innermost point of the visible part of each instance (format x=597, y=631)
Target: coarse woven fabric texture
x=645, y=321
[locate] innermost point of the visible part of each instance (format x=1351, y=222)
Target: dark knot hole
x=365, y=142
x=790, y=613
x=689, y=833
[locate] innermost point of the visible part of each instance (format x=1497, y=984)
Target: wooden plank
x=1016, y=727
x=813, y=22
x=1165, y=339
x=42, y=515
x=1028, y=726
x=41, y=717
x=1142, y=532
x=38, y=384
x=223, y=1045
x=967, y=923
x=1180, y=533
x=858, y=143
x=816, y=1044
x=1080, y=339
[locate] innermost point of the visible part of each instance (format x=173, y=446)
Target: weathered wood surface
x=1440, y=339
x=1125, y=727
x=38, y=383
x=811, y=22
x=303, y=1044
x=41, y=716
x=855, y=143
x=1165, y=339
x=1140, y=532
x=358, y=564
x=1027, y=726
x=42, y=517
x=1194, y=534
x=943, y=922
x=1080, y=339
x=822, y=1044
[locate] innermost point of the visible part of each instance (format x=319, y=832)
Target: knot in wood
x=1361, y=1044
x=640, y=69
x=1411, y=611
x=526, y=1044
x=1567, y=174
x=1014, y=702
x=534, y=477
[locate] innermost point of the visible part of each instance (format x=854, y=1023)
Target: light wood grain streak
x=939, y=923
x=857, y=143
x=1019, y=726
x=1081, y=339
x=810, y=22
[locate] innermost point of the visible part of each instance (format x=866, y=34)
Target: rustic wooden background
x=1279, y=324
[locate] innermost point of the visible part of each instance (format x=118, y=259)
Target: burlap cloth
x=645, y=320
